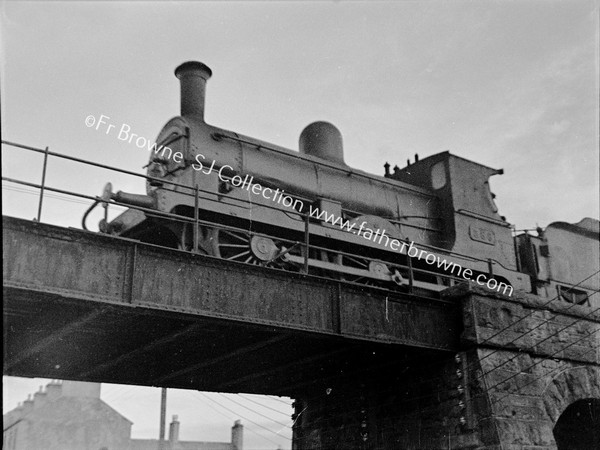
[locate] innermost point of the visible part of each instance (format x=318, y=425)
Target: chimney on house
x=237, y=436
x=19, y=410
x=39, y=398
x=53, y=390
x=174, y=431
x=27, y=405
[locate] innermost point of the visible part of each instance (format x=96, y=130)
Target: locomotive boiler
x=257, y=203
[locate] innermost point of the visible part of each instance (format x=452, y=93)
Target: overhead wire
x=121, y=393
x=535, y=364
x=487, y=340
x=478, y=360
x=540, y=306
x=235, y=417
x=276, y=398
x=483, y=374
x=265, y=406
x=245, y=418
x=436, y=406
x=507, y=345
x=575, y=321
x=253, y=411
x=46, y=194
x=435, y=393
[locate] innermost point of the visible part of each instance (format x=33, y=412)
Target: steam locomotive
x=194, y=201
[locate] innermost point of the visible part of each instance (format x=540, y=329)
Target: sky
x=508, y=84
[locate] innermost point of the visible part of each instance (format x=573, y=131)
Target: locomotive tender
x=442, y=203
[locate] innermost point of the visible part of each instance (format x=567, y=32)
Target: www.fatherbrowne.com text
x=278, y=196
x=408, y=248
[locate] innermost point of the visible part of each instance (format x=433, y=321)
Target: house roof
x=152, y=444
x=69, y=409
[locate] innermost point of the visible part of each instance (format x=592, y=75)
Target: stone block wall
x=530, y=359
x=522, y=362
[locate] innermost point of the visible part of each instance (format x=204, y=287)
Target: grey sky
x=509, y=84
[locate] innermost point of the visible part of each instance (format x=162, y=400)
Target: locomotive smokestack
x=192, y=78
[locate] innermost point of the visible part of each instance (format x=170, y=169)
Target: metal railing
x=413, y=274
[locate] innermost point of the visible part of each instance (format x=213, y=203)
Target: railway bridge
x=368, y=368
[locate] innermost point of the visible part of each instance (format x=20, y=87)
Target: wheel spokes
x=242, y=238
x=238, y=255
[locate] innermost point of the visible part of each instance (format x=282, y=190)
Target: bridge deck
x=80, y=305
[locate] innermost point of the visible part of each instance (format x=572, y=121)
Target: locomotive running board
x=362, y=273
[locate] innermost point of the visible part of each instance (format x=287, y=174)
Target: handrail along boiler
x=442, y=203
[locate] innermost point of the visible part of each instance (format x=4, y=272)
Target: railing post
x=306, y=242
x=39, y=214
x=517, y=253
x=195, y=249
x=410, y=271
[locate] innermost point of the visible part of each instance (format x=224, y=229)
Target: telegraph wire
x=544, y=358
x=575, y=321
x=238, y=415
x=433, y=394
x=563, y=370
x=559, y=370
x=535, y=364
x=487, y=339
x=235, y=416
x=253, y=411
x=480, y=377
x=274, y=397
x=433, y=407
x=474, y=363
x=264, y=406
x=245, y=418
x=533, y=312
x=126, y=392
x=46, y=194
x=216, y=410
x=116, y=393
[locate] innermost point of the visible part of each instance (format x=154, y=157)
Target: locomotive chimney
x=192, y=78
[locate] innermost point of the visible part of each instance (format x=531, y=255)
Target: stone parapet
x=529, y=359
